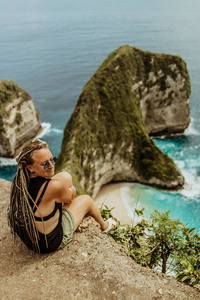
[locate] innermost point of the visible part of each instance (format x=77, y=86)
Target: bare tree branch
x=154, y=249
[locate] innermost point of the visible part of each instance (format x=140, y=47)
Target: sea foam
x=5, y=162
x=191, y=130
x=46, y=129
x=191, y=188
x=57, y=130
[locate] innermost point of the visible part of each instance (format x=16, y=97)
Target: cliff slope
x=91, y=267
x=164, y=94
x=132, y=94
x=19, y=120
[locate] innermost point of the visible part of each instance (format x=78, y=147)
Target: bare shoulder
x=55, y=191
x=56, y=186
x=58, y=191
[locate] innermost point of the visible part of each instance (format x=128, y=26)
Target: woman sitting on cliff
x=41, y=211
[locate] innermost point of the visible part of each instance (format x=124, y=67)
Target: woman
x=42, y=212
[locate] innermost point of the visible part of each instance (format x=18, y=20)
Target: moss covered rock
x=19, y=120
x=106, y=138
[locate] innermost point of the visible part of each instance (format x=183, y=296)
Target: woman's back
x=49, y=240
x=46, y=211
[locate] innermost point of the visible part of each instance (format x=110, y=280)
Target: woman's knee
x=85, y=201
x=80, y=206
x=88, y=201
x=64, y=177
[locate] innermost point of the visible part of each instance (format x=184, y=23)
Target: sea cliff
x=129, y=97
x=19, y=120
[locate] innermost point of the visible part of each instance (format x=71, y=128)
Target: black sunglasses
x=46, y=164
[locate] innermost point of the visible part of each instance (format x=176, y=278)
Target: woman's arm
x=60, y=192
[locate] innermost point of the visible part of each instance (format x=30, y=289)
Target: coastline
x=110, y=195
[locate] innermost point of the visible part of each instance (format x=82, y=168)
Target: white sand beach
x=110, y=196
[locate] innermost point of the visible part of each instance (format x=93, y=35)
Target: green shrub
x=160, y=243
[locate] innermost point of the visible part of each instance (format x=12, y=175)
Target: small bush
x=154, y=243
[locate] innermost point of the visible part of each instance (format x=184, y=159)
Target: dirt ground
x=92, y=266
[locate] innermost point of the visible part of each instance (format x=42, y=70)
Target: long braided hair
x=20, y=214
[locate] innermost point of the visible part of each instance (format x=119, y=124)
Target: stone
x=133, y=94
x=19, y=119
x=166, y=111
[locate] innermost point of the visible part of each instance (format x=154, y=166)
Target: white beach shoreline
x=110, y=195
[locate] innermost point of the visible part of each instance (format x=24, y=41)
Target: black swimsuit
x=34, y=187
x=54, y=238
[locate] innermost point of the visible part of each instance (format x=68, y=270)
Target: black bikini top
x=57, y=205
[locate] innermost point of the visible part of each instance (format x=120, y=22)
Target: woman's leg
x=82, y=206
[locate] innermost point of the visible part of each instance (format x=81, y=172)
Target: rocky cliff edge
x=91, y=267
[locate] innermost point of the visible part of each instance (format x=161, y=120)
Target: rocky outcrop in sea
x=132, y=94
x=19, y=119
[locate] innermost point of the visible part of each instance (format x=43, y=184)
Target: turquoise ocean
x=52, y=48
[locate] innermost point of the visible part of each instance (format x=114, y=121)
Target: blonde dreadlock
x=20, y=214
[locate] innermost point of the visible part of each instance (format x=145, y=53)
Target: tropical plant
x=161, y=242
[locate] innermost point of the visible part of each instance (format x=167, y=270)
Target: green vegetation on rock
x=9, y=90
x=108, y=119
x=18, y=118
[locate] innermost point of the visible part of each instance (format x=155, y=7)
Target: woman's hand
x=74, y=191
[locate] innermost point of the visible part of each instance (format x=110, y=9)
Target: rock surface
x=91, y=267
x=19, y=120
x=165, y=104
x=132, y=94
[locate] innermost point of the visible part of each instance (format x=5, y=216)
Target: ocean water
x=52, y=48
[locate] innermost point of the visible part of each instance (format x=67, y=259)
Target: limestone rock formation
x=19, y=120
x=164, y=98
x=107, y=137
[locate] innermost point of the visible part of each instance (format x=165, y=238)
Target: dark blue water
x=52, y=48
